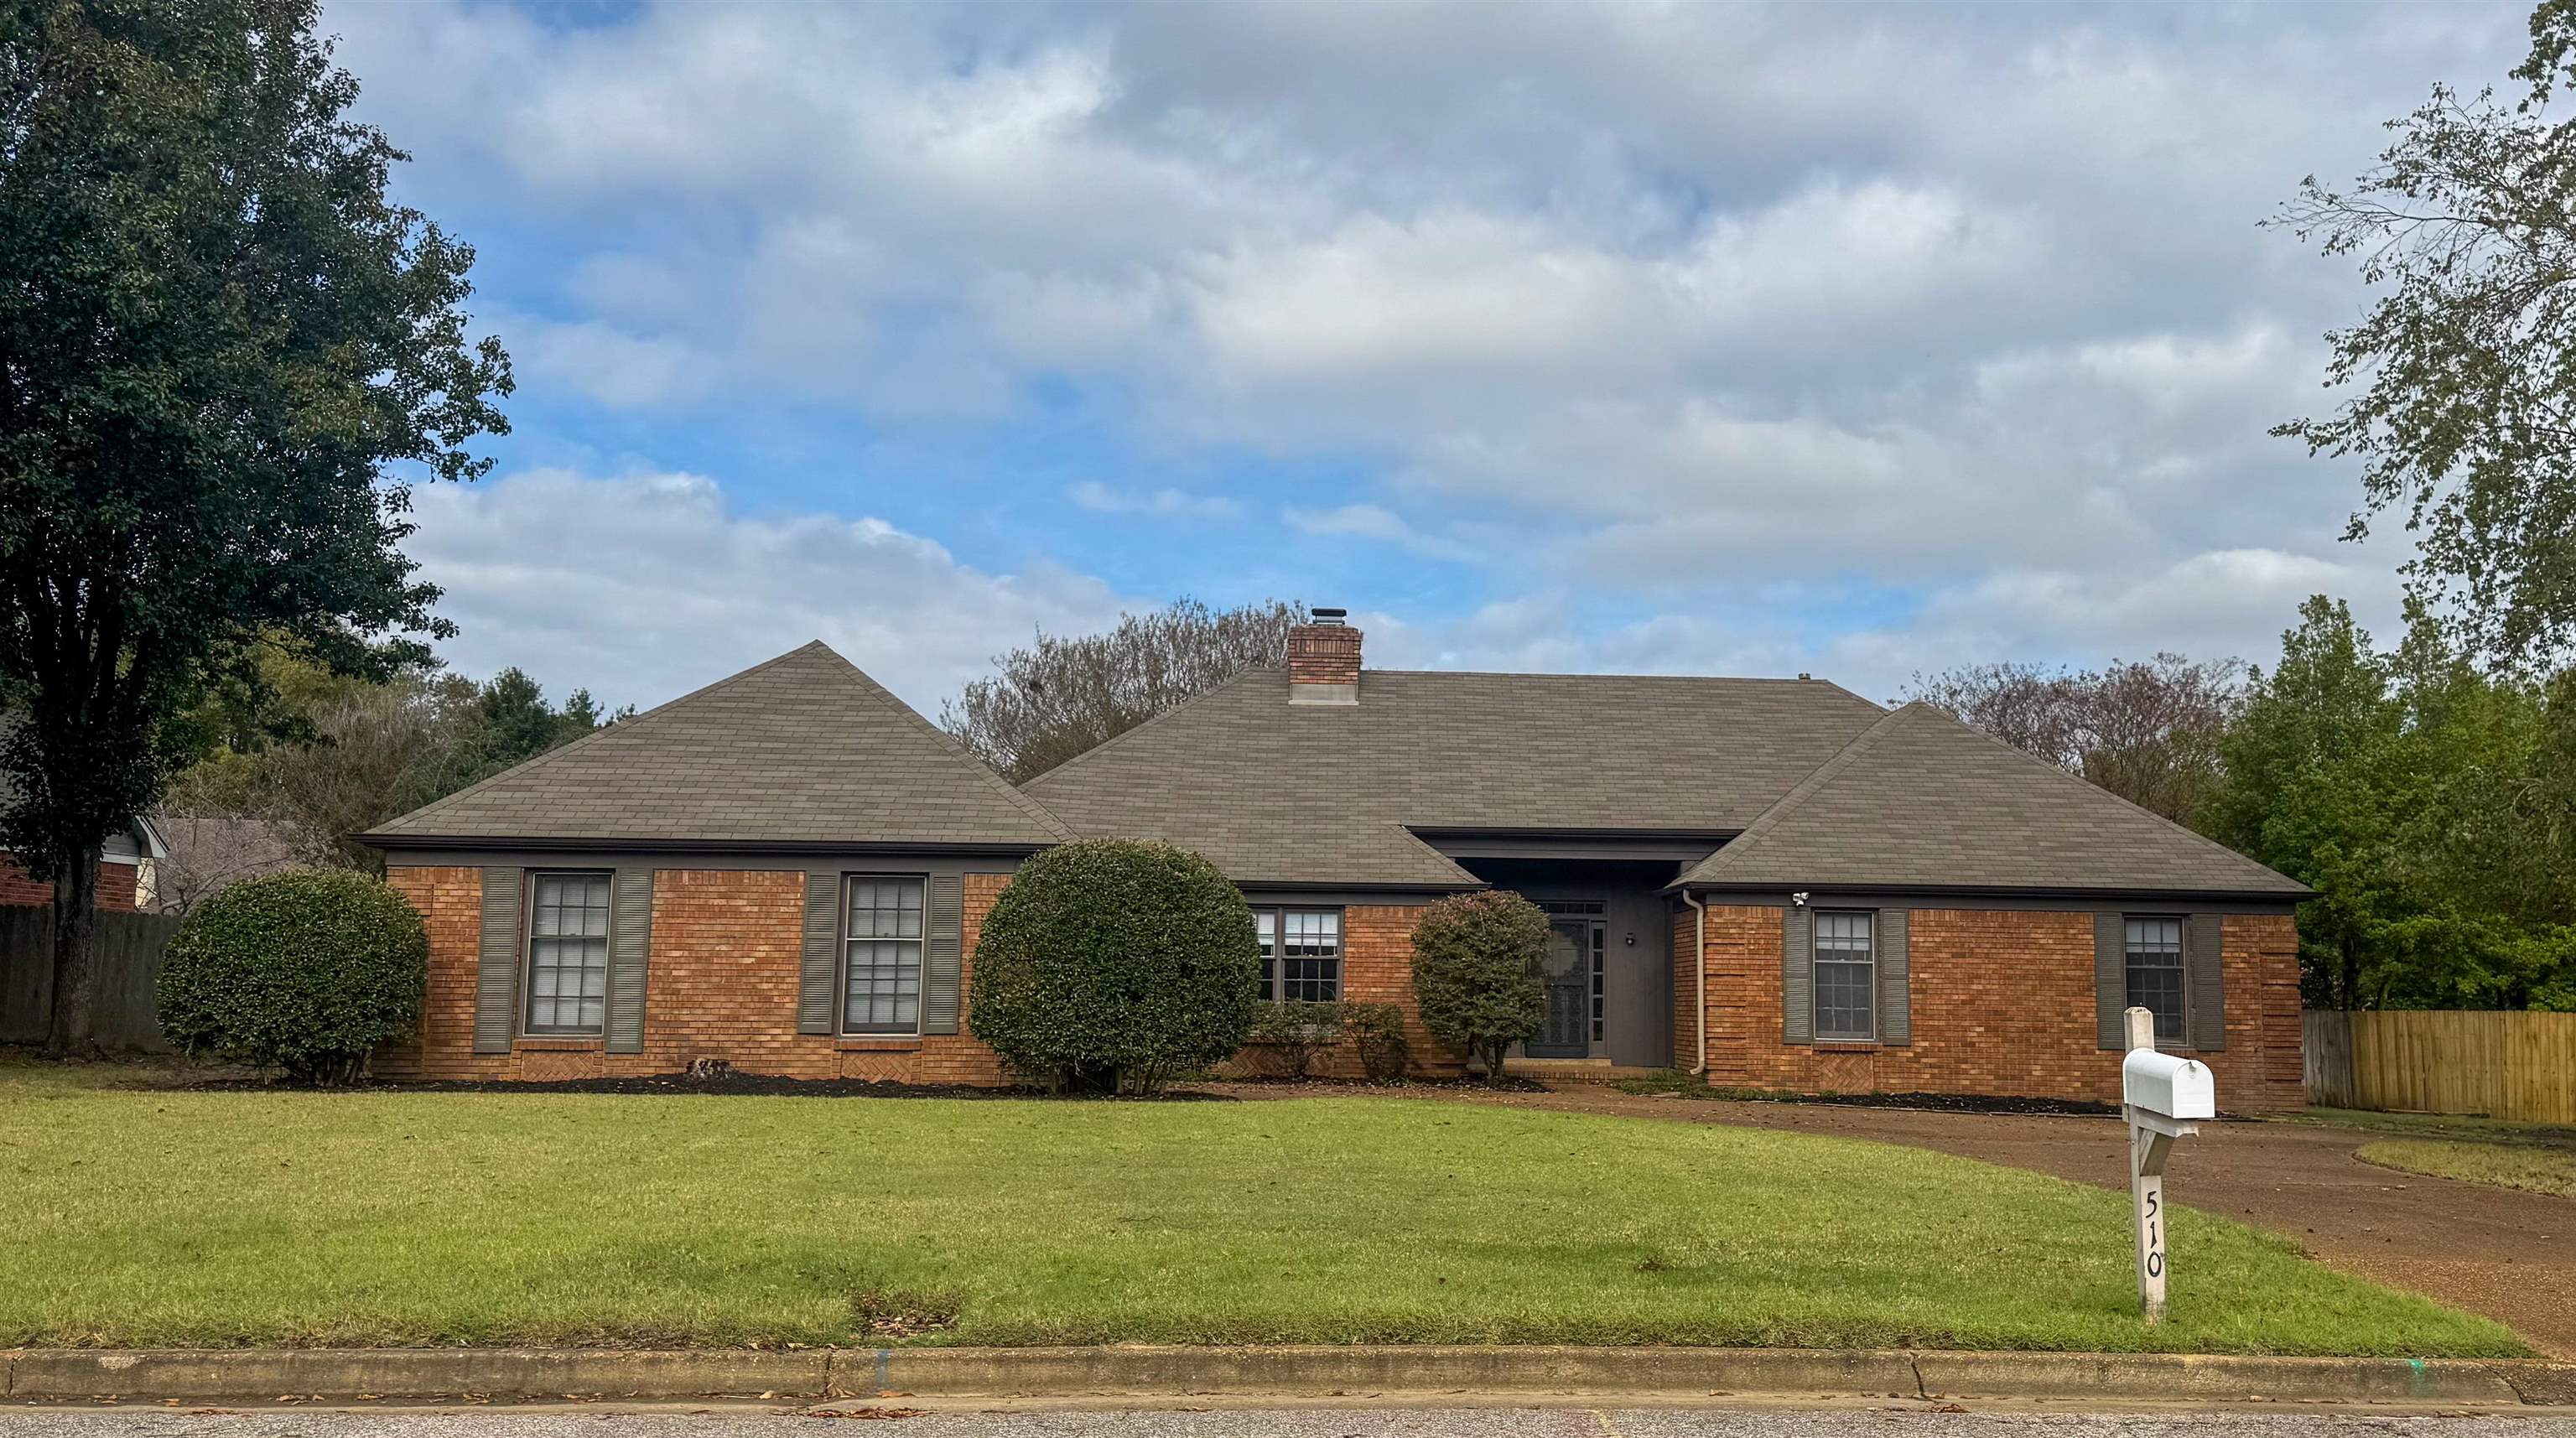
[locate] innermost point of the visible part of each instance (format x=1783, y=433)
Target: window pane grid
x=2156, y=973
x=881, y=965
x=568, y=954
x=1845, y=974
x=1301, y=954
x=1310, y=958
x=1265, y=927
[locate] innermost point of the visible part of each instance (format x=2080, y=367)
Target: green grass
x=152, y=1216
x=2541, y=1170
x=2472, y=1127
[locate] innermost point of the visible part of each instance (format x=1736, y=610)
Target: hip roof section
x=1922, y=800
x=1328, y=794
x=803, y=749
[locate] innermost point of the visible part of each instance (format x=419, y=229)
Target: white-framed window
x=1301, y=954
x=881, y=942
x=1846, y=975
x=567, y=947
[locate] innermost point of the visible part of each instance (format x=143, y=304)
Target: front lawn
x=134, y=1216
x=2541, y=1170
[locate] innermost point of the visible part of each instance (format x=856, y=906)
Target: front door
x=1572, y=971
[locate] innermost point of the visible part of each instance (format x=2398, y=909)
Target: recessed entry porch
x=1609, y=965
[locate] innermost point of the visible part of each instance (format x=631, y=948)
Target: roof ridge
x=1149, y=721
x=1613, y=674
x=1025, y=803
x=622, y=726
x=1799, y=793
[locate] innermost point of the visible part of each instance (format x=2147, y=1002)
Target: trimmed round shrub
x=305, y=971
x=1476, y=973
x=1112, y=966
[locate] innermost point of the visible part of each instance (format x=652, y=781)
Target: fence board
x=125, y=957
x=2504, y=1065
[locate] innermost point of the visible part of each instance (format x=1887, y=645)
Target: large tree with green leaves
x=223, y=353
x=2460, y=398
x=2419, y=796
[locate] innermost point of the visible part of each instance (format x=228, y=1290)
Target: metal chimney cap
x=1327, y=616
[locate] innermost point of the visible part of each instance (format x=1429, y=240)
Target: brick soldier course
x=1998, y=903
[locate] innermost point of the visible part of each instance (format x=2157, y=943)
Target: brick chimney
x=1324, y=660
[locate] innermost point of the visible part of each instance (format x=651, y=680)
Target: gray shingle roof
x=1324, y=794
x=804, y=748
x=1922, y=799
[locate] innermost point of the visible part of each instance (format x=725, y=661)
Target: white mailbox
x=2168, y=1086
x=2164, y=1098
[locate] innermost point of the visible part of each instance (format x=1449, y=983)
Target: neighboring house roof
x=1922, y=800
x=802, y=749
x=1329, y=794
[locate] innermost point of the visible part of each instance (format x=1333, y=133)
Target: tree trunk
x=75, y=1020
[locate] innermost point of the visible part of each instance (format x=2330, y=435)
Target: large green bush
x=1114, y=965
x=305, y=971
x=1476, y=973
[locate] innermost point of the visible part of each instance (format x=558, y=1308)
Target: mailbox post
x=2160, y=1095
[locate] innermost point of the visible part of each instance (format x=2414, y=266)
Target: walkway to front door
x=1573, y=971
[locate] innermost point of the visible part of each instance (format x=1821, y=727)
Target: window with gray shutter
x=945, y=976
x=1846, y=978
x=882, y=955
x=820, y=960
x=568, y=953
x=1797, y=993
x=2110, y=981
x=630, y=931
x=496, y=982
x=1895, y=977
x=2202, y=954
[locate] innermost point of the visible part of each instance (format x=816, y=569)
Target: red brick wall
x=721, y=982
x=1323, y=654
x=115, y=885
x=2002, y=1004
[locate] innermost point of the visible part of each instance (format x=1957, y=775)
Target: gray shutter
x=2111, y=979
x=1895, y=1000
x=1797, y=975
x=945, y=964
x=630, y=946
x=2202, y=950
x=496, y=984
x=821, y=964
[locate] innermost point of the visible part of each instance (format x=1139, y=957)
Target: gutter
x=1699, y=978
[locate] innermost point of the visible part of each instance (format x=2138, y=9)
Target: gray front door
x=1569, y=970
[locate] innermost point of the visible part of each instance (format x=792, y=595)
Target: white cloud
x=644, y=586
x=1369, y=521
x=1165, y=503
x=1696, y=302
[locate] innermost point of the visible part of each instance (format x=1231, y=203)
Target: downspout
x=1699, y=967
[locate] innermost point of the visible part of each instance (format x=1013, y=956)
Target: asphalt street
x=1382, y=1422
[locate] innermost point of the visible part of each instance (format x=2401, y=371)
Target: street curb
x=345, y=1374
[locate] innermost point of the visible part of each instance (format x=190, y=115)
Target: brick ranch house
x=1774, y=883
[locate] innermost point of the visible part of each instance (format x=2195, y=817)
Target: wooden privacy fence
x=2503, y=1065
x=125, y=954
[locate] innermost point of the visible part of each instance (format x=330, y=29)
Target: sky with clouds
x=1644, y=338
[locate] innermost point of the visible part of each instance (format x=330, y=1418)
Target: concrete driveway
x=2500, y=1252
